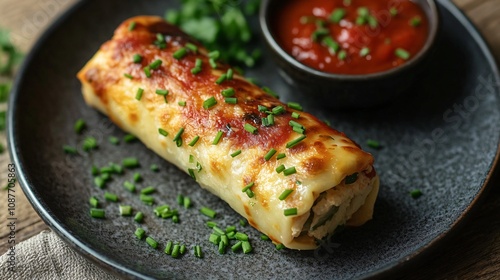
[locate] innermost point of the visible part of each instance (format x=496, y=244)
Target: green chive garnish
x=214, y=238
x=402, y=53
x=319, y=32
x=139, y=93
x=221, y=79
x=281, y=155
x=155, y=64
x=125, y=210
x=94, y=170
x=94, y=202
x=212, y=63
x=250, y=128
x=130, y=162
x=131, y=26
x=218, y=137
x=262, y=108
x=333, y=47
x=270, y=154
x=110, y=197
x=139, y=232
x=175, y=251
x=208, y=212
x=214, y=54
x=241, y=236
x=162, y=91
x=270, y=120
x=178, y=134
x=278, y=110
x=218, y=231
x=129, y=186
x=228, y=92
x=295, y=142
x=351, y=179
x=229, y=74
x=280, y=168
x=79, y=126
x=295, y=106
x=148, y=190
x=373, y=144
x=342, y=55
x=129, y=138
x=137, y=58
x=187, y=202
x=147, y=71
x=139, y=217
x=192, y=47
x=193, y=142
x=137, y=177
x=180, y=199
x=70, y=150
x=337, y=15
x=191, y=173
x=163, y=132
x=197, y=252
x=415, y=21
x=182, y=103
x=168, y=247
x=209, y=103
x=264, y=237
x=247, y=187
x=363, y=12
x=372, y=21
x=180, y=53
x=247, y=248
x=280, y=246
x=89, y=143
x=285, y=194
x=195, y=70
x=126, y=75
x=236, y=153
x=298, y=129
x=416, y=193
x=211, y=224
x=149, y=200
x=182, y=250
x=290, y=212
x=243, y=222
x=237, y=246
x=151, y=242
x=99, y=182
x=295, y=124
x=97, y=213
x=393, y=11
x=154, y=168
x=231, y=100
x=295, y=115
x=230, y=229
x=364, y=52
x=114, y=140
x=250, y=193
x=289, y=171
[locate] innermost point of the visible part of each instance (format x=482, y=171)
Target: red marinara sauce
x=351, y=36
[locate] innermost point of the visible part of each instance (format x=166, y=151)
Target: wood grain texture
x=470, y=252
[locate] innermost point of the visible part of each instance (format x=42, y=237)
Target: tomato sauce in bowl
x=351, y=37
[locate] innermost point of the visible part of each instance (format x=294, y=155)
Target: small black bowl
x=342, y=90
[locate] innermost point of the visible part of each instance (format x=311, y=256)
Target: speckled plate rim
x=122, y=271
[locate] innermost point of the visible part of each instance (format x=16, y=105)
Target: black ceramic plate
x=443, y=139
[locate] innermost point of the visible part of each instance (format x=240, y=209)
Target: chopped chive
x=243, y=222
x=295, y=106
x=99, y=182
x=125, y=210
x=402, y=53
x=187, y=202
x=129, y=138
x=280, y=168
x=137, y=58
x=278, y=110
x=180, y=53
x=161, y=91
x=70, y=150
x=290, y=212
x=373, y=144
x=94, y=202
x=231, y=234
x=195, y=70
x=137, y=177
x=281, y=155
x=351, y=179
x=270, y=154
x=130, y=162
x=222, y=247
x=193, y=142
x=214, y=54
x=221, y=79
x=175, y=219
x=147, y=71
x=139, y=217
x=197, y=252
x=192, y=47
x=270, y=120
x=372, y=21
x=262, y=108
x=209, y=103
x=236, y=153
x=360, y=20
x=89, y=143
x=265, y=122
x=198, y=62
x=295, y=142
x=319, y=32
x=132, y=25
x=247, y=187
x=229, y=74
x=160, y=209
x=182, y=103
x=230, y=229
x=126, y=75
x=285, y=194
x=155, y=64
x=148, y=190
x=160, y=41
x=363, y=11
x=154, y=168
x=342, y=55
x=182, y=250
x=97, y=213
x=191, y=173
x=110, y=197
x=211, y=224
x=214, y=238
x=114, y=140
x=175, y=251
x=250, y=128
x=415, y=21
x=149, y=200
x=264, y=237
x=298, y=129
x=393, y=11
x=106, y=169
x=228, y=92
x=151, y=242
x=178, y=134
x=333, y=47
x=218, y=230
x=241, y=236
x=231, y=100
x=129, y=186
x=105, y=177
x=270, y=92
x=237, y=246
x=168, y=247
x=337, y=15
x=79, y=126
x=295, y=115
x=218, y=137
x=289, y=171
x=139, y=232
x=280, y=246
x=416, y=193
x=295, y=124
x=247, y=248
x=364, y=52
x=180, y=199
x=208, y=212
x=163, y=132
x=212, y=63
x=139, y=93
x=94, y=170
x=224, y=239
x=250, y=193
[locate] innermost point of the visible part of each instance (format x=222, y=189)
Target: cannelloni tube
x=290, y=175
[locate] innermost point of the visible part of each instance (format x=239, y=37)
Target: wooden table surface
x=471, y=252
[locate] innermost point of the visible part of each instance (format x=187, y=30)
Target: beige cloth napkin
x=46, y=256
